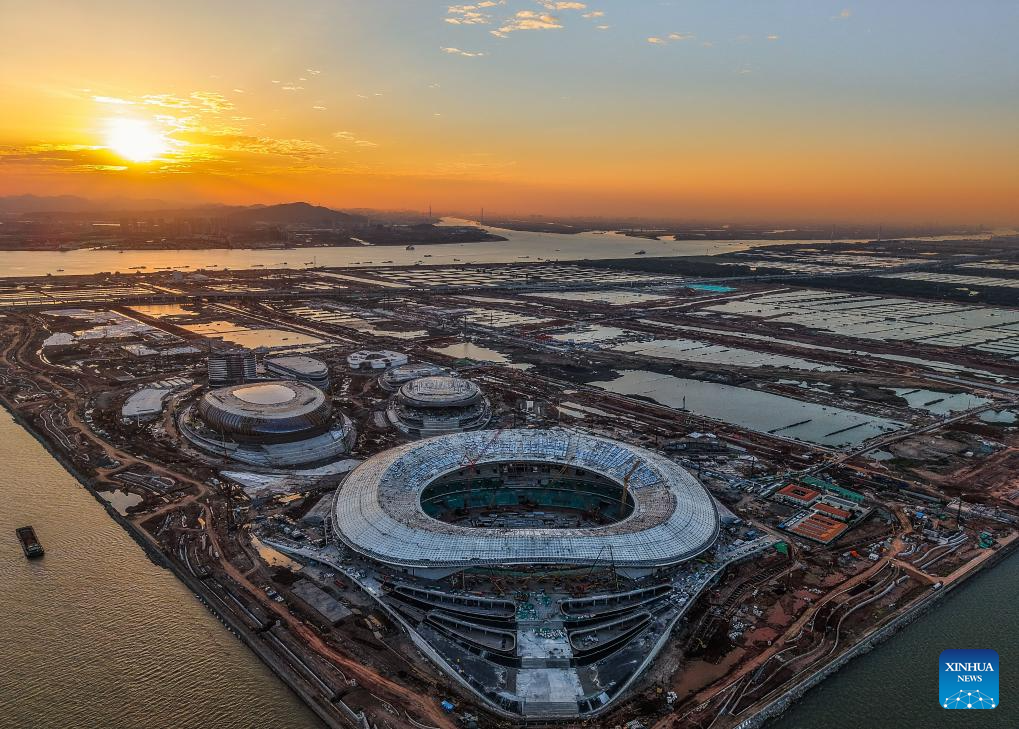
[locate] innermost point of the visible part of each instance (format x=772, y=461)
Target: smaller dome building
x=429, y=406
x=393, y=379
x=368, y=359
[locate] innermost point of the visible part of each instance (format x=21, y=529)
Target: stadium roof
x=378, y=509
x=440, y=392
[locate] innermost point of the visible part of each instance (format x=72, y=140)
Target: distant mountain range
x=295, y=213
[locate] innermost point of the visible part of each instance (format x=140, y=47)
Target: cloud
x=345, y=136
x=460, y=52
x=657, y=40
x=313, y=71
x=844, y=15
x=319, y=108
x=292, y=87
x=773, y=37
x=603, y=27
x=528, y=20
x=469, y=14
x=197, y=101
x=594, y=14
x=300, y=149
x=111, y=100
x=553, y=5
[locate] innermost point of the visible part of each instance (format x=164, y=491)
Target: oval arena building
x=540, y=498
x=275, y=424
x=438, y=405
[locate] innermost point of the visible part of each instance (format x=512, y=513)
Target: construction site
x=653, y=493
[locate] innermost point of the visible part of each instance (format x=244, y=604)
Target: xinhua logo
x=968, y=679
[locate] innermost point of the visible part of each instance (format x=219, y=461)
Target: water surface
x=96, y=635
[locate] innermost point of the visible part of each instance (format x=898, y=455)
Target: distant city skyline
x=790, y=109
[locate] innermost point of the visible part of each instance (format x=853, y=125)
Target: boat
x=641, y=252
x=409, y=248
x=29, y=542
x=428, y=255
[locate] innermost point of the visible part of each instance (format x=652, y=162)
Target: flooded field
x=121, y=500
x=363, y=322
x=761, y=411
x=939, y=403
x=939, y=365
x=692, y=350
x=616, y=298
x=251, y=338
x=886, y=319
x=498, y=319
x=594, y=333
x=163, y=311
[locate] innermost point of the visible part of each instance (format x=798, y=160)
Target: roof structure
x=378, y=509
x=283, y=409
x=431, y=392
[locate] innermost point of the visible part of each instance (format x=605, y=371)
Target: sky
x=892, y=111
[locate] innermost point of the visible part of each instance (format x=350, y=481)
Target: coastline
x=206, y=597
x=923, y=604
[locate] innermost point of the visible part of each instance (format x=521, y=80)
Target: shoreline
x=159, y=559
x=921, y=606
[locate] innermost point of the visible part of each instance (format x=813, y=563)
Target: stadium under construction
x=543, y=569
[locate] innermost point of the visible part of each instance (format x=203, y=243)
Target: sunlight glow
x=136, y=140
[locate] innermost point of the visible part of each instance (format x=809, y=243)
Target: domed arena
x=429, y=406
x=278, y=424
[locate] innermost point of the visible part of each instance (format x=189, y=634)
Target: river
x=519, y=247
x=96, y=635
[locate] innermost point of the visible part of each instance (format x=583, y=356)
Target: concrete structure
x=271, y=424
x=664, y=516
x=367, y=359
x=321, y=602
x=231, y=367
x=298, y=367
x=393, y=379
x=145, y=405
x=429, y=406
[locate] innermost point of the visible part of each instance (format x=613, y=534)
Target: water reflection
x=764, y=412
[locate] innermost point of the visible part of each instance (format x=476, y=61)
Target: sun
x=136, y=140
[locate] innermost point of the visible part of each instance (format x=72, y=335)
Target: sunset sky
x=891, y=110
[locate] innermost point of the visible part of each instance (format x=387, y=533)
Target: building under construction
x=539, y=567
